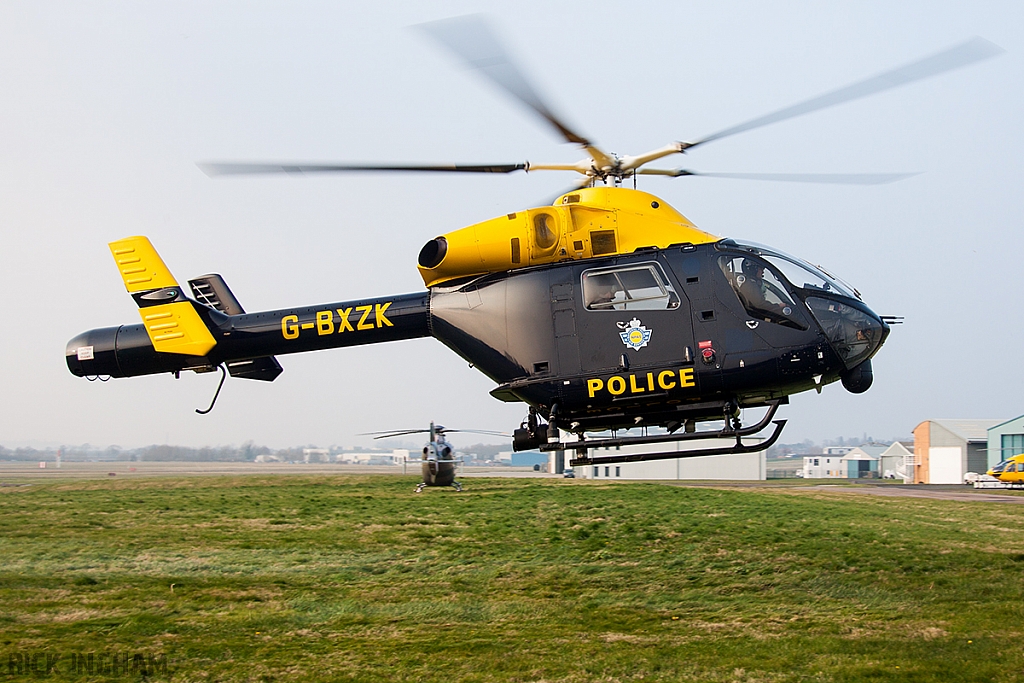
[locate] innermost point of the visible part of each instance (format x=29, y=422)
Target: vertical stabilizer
x=171, y=320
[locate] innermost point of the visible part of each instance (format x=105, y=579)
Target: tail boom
x=127, y=351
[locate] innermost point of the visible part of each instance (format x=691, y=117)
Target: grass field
x=264, y=578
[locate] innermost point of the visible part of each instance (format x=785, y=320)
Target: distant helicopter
x=607, y=310
x=438, y=458
x=1010, y=471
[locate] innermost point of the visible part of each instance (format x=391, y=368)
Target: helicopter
x=1009, y=471
x=438, y=460
x=605, y=311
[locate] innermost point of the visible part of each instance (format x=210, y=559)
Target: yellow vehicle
x=1010, y=470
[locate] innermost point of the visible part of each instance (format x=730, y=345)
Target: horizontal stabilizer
x=140, y=266
x=213, y=291
x=170, y=318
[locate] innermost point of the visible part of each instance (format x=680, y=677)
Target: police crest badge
x=633, y=334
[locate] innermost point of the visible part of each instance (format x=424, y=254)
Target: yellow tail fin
x=172, y=323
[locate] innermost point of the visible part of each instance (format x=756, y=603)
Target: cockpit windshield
x=800, y=273
x=1007, y=466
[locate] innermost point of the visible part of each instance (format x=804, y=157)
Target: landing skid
x=422, y=485
x=729, y=431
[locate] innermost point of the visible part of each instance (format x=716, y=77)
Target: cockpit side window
x=642, y=287
x=761, y=291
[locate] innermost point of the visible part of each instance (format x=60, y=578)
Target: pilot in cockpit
x=604, y=292
x=757, y=294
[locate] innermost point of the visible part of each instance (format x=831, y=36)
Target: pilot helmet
x=751, y=267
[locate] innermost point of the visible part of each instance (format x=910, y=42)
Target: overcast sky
x=107, y=107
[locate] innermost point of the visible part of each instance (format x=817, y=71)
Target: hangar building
x=743, y=466
x=897, y=462
x=1005, y=440
x=945, y=450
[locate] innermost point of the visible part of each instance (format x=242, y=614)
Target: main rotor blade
x=973, y=50
x=244, y=168
x=830, y=178
x=400, y=432
x=472, y=40
x=437, y=430
x=475, y=431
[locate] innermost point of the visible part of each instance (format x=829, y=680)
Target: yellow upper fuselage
x=596, y=221
x=1010, y=470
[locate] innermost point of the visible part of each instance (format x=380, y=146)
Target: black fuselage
x=655, y=337
x=533, y=333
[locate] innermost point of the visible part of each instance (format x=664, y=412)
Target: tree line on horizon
x=247, y=452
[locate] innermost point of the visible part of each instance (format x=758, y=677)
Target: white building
x=395, y=457
x=315, y=455
x=743, y=466
x=897, y=462
x=860, y=462
x=823, y=466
